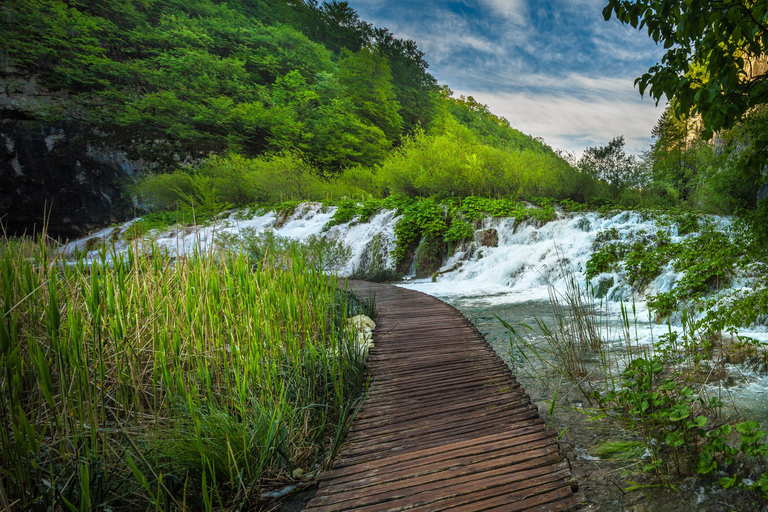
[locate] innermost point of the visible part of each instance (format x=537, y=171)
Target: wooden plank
x=531, y=457
x=394, y=495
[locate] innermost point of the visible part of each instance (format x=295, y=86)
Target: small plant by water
x=666, y=395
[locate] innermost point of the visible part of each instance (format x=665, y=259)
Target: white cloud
x=571, y=124
x=561, y=73
x=512, y=10
x=444, y=34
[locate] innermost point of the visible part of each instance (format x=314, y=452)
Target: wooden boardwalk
x=445, y=425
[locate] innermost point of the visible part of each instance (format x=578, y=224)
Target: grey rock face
x=47, y=171
x=58, y=170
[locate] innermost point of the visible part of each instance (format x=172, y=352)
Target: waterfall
x=509, y=261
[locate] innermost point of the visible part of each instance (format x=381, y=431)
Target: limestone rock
x=362, y=322
x=362, y=327
x=489, y=238
x=56, y=166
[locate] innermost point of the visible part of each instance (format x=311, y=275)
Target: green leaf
x=680, y=413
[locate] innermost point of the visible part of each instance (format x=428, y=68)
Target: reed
x=140, y=382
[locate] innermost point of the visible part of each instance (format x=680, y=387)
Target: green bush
x=454, y=163
x=234, y=180
x=459, y=230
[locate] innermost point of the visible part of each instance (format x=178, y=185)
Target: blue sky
x=555, y=69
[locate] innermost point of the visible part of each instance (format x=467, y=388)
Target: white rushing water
x=528, y=258
x=308, y=219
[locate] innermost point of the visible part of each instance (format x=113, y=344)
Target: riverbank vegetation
x=138, y=382
x=667, y=396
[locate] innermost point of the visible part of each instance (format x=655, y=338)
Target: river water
x=512, y=280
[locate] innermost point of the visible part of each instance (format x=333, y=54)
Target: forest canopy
x=224, y=95
x=203, y=76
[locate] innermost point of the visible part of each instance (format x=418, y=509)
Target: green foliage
x=709, y=47
x=711, y=72
x=160, y=220
x=178, y=82
x=679, y=159
x=660, y=394
x=455, y=163
x=721, y=177
x=601, y=261
x=449, y=220
x=474, y=208
x=367, y=78
x=663, y=412
x=490, y=129
x=707, y=258
x=602, y=288
x=611, y=164
x=422, y=217
x=348, y=210
x=232, y=180
x=182, y=80
x=135, y=383
x=660, y=409
x=643, y=258
x=626, y=450
x=459, y=230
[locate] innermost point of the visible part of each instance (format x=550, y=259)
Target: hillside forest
x=245, y=102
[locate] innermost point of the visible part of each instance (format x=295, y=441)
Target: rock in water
x=489, y=238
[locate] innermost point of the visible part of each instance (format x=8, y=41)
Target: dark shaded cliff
x=54, y=166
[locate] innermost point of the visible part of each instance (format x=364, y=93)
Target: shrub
x=454, y=163
x=233, y=180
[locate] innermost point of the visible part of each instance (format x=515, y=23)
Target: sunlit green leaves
x=368, y=80
x=180, y=80
x=720, y=36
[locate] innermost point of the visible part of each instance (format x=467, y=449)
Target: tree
x=414, y=87
x=714, y=63
x=612, y=164
x=677, y=153
x=368, y=80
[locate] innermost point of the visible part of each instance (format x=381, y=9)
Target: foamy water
x=530, y=258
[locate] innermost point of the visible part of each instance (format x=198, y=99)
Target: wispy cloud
x=556, y=70
x=512, y=10
x=573, y=124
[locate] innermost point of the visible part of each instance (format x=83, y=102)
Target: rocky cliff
x=55, y=165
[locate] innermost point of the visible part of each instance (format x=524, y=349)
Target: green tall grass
x=139, y=382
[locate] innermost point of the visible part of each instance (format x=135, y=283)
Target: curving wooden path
x=445, y=425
